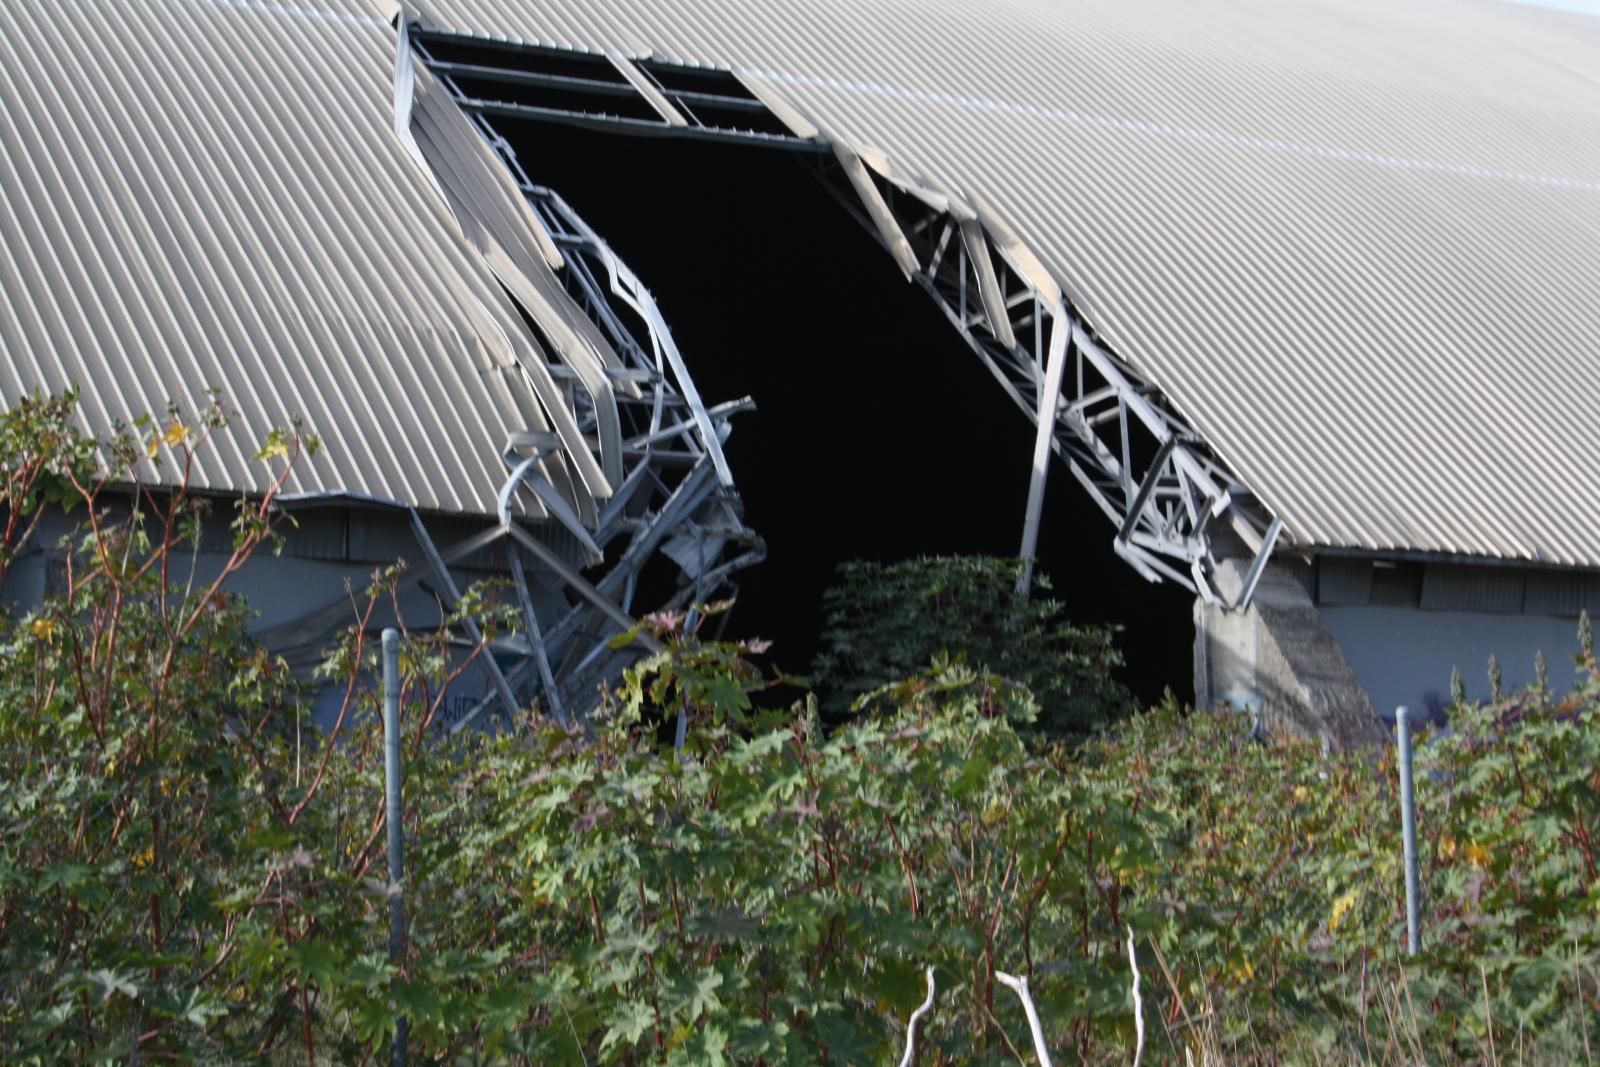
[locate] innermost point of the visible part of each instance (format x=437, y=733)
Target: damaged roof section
x=1333, y=242
x=584, y=88
x=276, y=200
x=1140, y=463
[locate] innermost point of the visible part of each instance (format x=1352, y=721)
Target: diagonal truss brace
x=1141, y=463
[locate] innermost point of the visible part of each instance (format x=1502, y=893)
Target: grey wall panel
x=1562, y=593
x=1343, y=580
x=317, y=533
x=1457, y=587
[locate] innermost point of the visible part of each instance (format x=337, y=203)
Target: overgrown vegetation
x=185, y=876
x=883, y=622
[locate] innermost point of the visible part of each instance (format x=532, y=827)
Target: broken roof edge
x=1051, y=292
x=488, y=217
x=1191, y=476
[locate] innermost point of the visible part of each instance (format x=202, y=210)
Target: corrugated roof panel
x=208, y=192
x=1356, y=243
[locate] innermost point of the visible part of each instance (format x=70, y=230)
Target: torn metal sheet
x=994, y=304
x=496, y=221
x=877, y=210
x=647, y=89
x=785, y=112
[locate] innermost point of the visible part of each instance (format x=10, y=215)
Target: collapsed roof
x=264, y=198
x=1354, y=243
x=1343, y=253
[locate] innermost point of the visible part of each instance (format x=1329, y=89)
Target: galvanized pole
x=1408, y=829
x=395, y=814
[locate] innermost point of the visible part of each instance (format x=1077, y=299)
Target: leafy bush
x=773, y=895
x=185, y=877
x=1279, y=898
x=884, y=622
x=143, y=743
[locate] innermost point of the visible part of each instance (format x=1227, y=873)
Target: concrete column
x=1276, y=659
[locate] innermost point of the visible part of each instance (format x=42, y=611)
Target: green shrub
x=1279, y=898
x=883, y=622
x=185, y=877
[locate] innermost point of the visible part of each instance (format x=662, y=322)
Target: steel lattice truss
x=676, y=499
x=1141, y=463
x=677, y=494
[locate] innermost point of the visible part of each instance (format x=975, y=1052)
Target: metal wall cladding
x=317, y=532
x=1355, y=242
x=1457, y=587
x=1343, y=580
x=1562, y=593
x=199, y=193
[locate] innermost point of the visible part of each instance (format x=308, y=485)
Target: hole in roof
x=878, y=433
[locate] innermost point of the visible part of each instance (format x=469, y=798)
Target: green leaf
x=317, y=961
x=627, y=1023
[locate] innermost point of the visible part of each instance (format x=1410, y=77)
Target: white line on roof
x=1162, y=129
x=295, y=11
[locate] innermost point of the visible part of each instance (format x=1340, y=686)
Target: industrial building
x=1300, y=295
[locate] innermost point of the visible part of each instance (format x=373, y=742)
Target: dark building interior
x=878, y=433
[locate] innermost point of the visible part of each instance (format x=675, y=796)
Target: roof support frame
x=675, y=108
x=1140, y=462
x=675, y=482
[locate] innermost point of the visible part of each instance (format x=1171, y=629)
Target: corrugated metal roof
x=211, y=192
x=1356, y=242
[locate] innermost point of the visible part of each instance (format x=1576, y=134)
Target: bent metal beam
x=1141, y=463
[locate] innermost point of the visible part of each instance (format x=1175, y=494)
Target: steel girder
x=1141, y=463
x=675, y=500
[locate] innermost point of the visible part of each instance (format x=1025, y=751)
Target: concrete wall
x=1405, y=655
x=1330, y=647
x=1277, y=661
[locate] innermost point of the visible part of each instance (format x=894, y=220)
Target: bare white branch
x=911, y=1025
x=1138, y=1003
x=1020, y=987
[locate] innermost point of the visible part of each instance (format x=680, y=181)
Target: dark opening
x=878, y=433
x=713, y=98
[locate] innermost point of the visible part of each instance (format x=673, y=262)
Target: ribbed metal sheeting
x=201, y=193
x=1357, y=242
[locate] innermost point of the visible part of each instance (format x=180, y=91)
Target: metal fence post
x=1408, y=829
x=395, y=816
